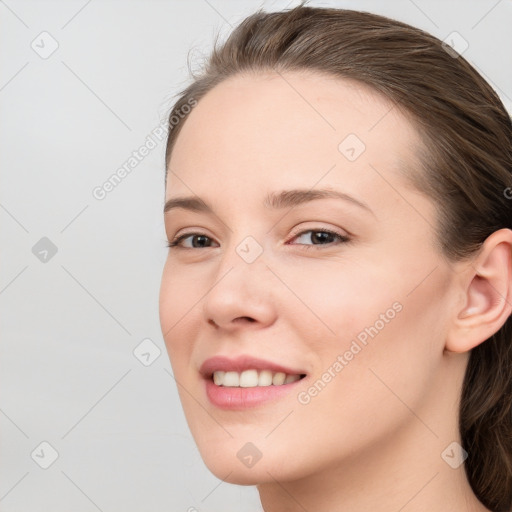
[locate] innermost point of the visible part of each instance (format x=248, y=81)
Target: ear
x=486, y=284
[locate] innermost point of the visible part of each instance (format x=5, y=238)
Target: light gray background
x=70, y=324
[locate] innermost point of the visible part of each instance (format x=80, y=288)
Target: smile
x=252, y=378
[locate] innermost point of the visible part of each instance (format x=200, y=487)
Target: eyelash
x=342, y=239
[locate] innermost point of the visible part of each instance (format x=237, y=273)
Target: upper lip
x=241, y=363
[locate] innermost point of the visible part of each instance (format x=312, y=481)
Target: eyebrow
x=274, y=200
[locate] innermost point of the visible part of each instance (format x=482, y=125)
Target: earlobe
x=487, y=304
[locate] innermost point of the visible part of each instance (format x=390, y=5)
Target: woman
x=336, y=299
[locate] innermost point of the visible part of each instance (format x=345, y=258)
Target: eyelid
x=342, y=239
x=318, y=228
x=178, y=239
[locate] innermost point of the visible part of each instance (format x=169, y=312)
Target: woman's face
x=348, y=291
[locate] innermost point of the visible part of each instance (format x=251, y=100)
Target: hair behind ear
x=485, y=419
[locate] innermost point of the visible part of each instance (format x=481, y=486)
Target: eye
x=200, y=238
x=320, y=237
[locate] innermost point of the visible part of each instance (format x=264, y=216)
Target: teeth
x=252, y=378
x=231, y=379
x=218, y=377
x=278, y=378
x=249, y=379
x=291, y=378
x=265, y=378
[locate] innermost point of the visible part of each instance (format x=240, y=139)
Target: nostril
x=244, y=318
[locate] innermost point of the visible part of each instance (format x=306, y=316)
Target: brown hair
x=466, y=162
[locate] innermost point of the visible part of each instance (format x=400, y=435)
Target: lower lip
x=233, y=399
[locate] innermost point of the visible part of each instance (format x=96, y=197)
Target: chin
x=231, y=462
x=234, y=472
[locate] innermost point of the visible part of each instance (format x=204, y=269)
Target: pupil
x=204, y=238
x=321, y=235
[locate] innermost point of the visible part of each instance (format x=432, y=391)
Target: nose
x=242, y=295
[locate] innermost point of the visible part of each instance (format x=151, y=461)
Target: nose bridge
x=240, y=287
x=250, y=250
x=245, y=244
x=243, y=267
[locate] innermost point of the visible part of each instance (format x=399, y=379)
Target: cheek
x=177, y=302
x=166, y=298
x=178, y=297
x=336, y=301
x=369, y=343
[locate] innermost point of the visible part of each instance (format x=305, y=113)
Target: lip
x=238, y=398
x=242, y=363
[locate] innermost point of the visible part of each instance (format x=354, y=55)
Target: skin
x=372, y=438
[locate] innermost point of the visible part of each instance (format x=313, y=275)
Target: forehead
x=257, y=132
